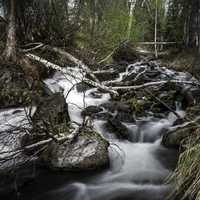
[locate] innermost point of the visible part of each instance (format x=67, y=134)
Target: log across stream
x=139, y=166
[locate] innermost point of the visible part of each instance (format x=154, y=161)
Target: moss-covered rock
x=116, y=127
x=88, y=151
x=174, y=139
x=177, y=138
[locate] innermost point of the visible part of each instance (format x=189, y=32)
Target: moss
x=139, y=105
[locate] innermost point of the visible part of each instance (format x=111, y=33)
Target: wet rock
x=125, y=53
x=174, y=139
x=51, y=115
x=82, y=87
x=52, y=109
x=103, y=116
x=50, y=119
x=122, y=112
x=88, y=151
x=91, y=111
x=116, y=127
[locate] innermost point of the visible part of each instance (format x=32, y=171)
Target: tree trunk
x=155, y=31
x=130, y=23
x=10, y=49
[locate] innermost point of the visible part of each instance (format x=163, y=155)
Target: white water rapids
x=137, y=171
x=135, y=168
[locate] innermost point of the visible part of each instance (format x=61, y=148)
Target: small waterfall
x=138, y=166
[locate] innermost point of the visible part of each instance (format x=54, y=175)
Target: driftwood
x=86, y=80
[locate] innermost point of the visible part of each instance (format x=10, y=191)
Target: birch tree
x=131, y=11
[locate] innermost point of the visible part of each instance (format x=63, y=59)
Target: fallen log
x=71, y=58
x=65, y=54
x=58, y=68
x=145, y=85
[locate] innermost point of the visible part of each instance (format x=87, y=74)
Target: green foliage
x=103, y=31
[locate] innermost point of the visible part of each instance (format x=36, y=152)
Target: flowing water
x=138, y=168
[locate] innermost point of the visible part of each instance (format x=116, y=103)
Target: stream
x=138, y=168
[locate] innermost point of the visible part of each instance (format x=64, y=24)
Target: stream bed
x=139, y=166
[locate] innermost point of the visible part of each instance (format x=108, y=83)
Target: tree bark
x=10, y=49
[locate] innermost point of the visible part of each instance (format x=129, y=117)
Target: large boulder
x=52, y=109
x=88, y=151
x=50, y=119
